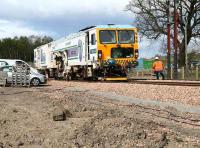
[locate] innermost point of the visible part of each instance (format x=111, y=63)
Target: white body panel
x=13, y=62
x=44, y=58
x=74, y=49
x=93, y=46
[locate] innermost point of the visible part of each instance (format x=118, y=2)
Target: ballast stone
x=61, y=114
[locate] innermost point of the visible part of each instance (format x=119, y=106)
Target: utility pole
x=175, y=39
x=168, y=42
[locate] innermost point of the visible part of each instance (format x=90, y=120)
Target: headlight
x=99, y=54
x=136, y=53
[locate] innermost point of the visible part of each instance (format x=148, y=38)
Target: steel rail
x=170, y=83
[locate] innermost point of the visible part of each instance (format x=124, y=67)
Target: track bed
x=98, y=120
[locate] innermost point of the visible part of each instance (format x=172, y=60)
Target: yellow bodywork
x=106, y=48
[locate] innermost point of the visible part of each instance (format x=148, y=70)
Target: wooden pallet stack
x=21, y=75
x=3, y=77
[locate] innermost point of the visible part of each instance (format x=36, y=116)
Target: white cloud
x=51, y=8
x=61, y=16
x=12, y=29
x=57, y=18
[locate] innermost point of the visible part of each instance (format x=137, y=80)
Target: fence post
x=142, y=74
x=197, y=73
x=152, y=74
x=183, y=73
x=171, y=73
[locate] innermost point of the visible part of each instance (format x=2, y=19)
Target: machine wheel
x=68, y=77
x=35, y=82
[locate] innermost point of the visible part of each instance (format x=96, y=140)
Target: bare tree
x=151, y=18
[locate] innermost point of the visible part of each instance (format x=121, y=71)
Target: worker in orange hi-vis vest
x=158, y=68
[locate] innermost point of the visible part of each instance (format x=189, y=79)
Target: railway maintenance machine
x=103, y=52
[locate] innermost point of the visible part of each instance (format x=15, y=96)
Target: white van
x=3, y=63
x=35, y=77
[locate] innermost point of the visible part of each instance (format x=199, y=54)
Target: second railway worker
x=158, y=68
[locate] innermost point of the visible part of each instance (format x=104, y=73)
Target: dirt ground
x=26, y=120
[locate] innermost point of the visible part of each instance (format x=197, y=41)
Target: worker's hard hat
x=156, y=58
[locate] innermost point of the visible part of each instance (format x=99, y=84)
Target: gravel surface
x=96, y=120
x=181, y=94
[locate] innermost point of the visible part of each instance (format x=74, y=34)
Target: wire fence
x=193, y=74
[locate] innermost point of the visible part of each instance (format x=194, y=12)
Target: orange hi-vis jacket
x=158, y=66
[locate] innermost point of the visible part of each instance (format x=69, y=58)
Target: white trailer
x=44, y=59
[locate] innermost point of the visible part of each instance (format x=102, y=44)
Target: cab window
x=122, y=52
x=2, y=63
x=108, y=37
x=7, y=69
x=93, y=39
x=126, y=36
x=19, y=62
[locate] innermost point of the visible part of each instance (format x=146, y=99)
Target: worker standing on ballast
x=158, y=68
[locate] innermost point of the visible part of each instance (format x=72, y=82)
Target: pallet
x=21, y=75
x=3, y=77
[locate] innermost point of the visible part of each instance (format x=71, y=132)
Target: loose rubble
x=91, y=120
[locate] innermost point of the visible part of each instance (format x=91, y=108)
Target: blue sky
x=62, y=17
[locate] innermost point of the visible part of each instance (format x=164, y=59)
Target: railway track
x=149, y=82
x=165, y=82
